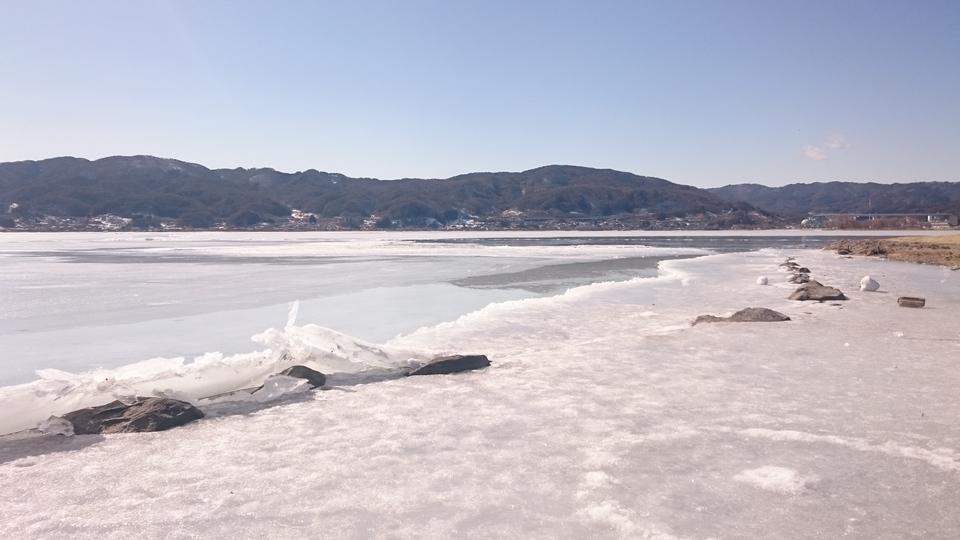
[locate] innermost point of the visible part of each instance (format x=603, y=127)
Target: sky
x=704, y=93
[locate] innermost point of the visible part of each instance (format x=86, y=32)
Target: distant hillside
x=199, y=197
x=797, y=200
x=129, y=186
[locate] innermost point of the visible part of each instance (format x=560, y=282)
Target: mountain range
x=797, y=200
x=199, y=197
x=147, y=191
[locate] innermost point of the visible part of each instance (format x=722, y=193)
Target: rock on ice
x=751, y=314
x=452, y=364
x=762, y=280
x=143, y=414
x=816, y=291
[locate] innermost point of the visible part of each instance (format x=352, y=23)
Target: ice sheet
x=604, y=415
x=78, y=302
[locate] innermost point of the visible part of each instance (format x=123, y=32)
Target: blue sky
x=703, y=93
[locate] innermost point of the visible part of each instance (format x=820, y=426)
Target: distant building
x=867, y=221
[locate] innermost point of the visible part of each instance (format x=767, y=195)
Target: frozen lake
x=78, y=301
x=605, y=414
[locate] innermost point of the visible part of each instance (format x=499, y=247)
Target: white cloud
x=814, y=152
x=832, y=145
x=836, y=142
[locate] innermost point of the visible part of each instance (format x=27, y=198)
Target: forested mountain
x=150, y=190
x=199, y=197
x=797, y=200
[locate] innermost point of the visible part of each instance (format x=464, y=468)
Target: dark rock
x=789, y=265
x=452, y=364
x=816, y=291
x=799, y=278
x=803, y=270
x=314, y=377
x=144, y=414
x=754, y=314
x=843, y=251
x=911, y=301
x=746, y=315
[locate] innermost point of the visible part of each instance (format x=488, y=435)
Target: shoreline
x=935, y=250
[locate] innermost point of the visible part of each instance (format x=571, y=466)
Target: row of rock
x=809, y=290
x=799, y=274
x=143, y=414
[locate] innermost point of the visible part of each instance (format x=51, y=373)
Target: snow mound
x=868, y=284
x=773, y=478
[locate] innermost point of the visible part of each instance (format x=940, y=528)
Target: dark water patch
x=719, y=244
x=556, y=278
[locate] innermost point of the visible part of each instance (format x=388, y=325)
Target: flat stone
x=452, y=364
x=911, y=301
x=144, y=414
x=751, y=314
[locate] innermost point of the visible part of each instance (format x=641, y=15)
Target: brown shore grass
x=946, y=240
x=941, y=250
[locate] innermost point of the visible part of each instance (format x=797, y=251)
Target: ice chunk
x=762, y=280
x=869, y=284
x=56, y=426
x=279, y=386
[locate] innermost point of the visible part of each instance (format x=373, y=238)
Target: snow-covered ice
x=773, y=478
x=604, y=415
x=75, y=302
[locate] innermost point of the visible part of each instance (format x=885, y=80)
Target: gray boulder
x=452, y=364
x=799, y=278
x=751, y=314
x=816, y=291
x=144, y=414
x=314, y=377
